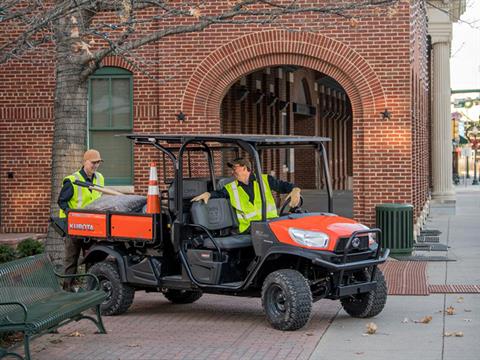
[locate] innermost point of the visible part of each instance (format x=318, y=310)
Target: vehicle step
x=232, y=284
x=176, y=282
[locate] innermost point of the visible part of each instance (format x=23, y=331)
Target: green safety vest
x=246, y=211
x=82, y=196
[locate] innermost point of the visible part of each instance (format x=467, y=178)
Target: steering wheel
x=296, y=209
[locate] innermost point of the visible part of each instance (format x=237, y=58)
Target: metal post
x=475, y=180
x=467, y=166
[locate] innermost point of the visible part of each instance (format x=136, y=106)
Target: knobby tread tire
x=369, y=304
x=298, y=300
x=182, y=296
x=122, y=294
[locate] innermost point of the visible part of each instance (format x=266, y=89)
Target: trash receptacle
x=396, y=223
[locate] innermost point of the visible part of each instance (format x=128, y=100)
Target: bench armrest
x=22, y=306
x=96, y=282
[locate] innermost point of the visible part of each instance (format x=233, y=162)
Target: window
x=110, y=113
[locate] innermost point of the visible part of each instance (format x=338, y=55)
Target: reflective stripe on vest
x=82, y=196
x=246, y=211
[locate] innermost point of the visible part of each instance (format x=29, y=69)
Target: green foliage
x=29, y=247
x=6, y=254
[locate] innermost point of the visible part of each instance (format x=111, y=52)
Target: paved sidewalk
x=398, y=335
x=215, y=327
x=219, y=327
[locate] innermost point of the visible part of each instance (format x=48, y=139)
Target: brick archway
x=214, y=76
x=211, y=80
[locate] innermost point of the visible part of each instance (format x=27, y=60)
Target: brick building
x=364, y=83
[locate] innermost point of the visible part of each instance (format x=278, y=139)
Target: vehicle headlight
x=309, y=238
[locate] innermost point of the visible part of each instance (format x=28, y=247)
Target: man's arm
x=65, y=195
x=222, y=193
x=219, y=194
x=280, y=186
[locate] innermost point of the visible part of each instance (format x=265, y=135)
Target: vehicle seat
x=191, y=188
x=224, y=181
x=218, y=216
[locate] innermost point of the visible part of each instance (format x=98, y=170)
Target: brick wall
x=371, y=59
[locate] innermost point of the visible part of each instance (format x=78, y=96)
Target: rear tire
x=119, y=295
x=182, y=296
x=287, y=299
x=368, y=304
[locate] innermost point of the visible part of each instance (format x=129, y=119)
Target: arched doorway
x=293, y=100
x=213, y=78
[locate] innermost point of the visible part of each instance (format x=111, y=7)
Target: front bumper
x=352, y=265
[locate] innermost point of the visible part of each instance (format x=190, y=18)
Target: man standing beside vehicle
x=244, y=193
x=73, y=196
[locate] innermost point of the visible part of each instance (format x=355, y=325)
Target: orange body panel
x=138, y=227
x=86, y=224
x=334, y=226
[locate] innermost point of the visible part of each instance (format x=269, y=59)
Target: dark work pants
x=73, y=246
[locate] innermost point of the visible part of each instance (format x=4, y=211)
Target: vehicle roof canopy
x=253, y=139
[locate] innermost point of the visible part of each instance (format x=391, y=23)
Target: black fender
x=99, y=253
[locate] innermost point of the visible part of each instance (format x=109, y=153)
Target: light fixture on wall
x=181, y=116
x=386, y=115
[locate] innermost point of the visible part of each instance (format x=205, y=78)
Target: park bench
x=32, y=301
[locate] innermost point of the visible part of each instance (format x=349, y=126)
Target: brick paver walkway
x=215, y=327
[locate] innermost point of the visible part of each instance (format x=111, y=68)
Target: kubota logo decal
x=85, y=227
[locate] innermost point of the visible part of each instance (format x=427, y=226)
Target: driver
x=244, y=194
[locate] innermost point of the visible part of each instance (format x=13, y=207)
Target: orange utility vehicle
x=192, y=248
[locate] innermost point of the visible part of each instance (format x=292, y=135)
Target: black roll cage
x=252, y=144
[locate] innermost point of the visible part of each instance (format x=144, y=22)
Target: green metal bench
x=33, y=302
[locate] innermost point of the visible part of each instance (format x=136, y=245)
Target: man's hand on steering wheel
x=294, y=197
x=294, y=201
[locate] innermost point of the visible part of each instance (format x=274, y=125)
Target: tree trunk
x=70, y=125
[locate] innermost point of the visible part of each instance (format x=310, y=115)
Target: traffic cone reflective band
x=153, y=198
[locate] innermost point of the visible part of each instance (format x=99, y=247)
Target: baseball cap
x=241, y=162
x=92, y=155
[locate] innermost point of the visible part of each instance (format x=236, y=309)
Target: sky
x=465, y=60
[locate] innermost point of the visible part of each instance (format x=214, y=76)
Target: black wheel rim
x=106, y=286
x=276, y=300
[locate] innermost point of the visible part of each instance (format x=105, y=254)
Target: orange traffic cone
x=153, y=199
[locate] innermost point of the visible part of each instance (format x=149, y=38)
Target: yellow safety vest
x=82, y=196
x=246, y=211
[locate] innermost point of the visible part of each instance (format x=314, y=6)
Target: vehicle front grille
x=342, y=242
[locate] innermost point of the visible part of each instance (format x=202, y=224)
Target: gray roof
x=229, y=138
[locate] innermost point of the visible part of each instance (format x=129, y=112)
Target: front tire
x=368, y=304
x=182, y=296
x=119, y=295
x=287, y=299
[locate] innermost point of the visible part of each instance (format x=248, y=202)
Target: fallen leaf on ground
x=468, y=310
x=56, y=341
x=359, y=353
x=405, y=320
x=460, y=299
x=424, y=320
x=76, y=334
x=454, y=333
x=371, y=328
x=467, y=320
x=133, y=345
x=309, y=334
x=450, y=310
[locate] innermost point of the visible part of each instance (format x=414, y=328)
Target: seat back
x=191, y=188
x=26, y=280
x=216, y=215
x=224, y=181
